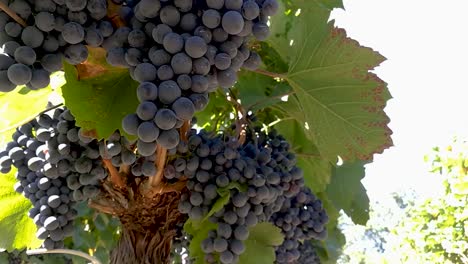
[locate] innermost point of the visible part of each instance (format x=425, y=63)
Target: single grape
x=32, y=37
x=73, y=33
x=181, y=63
x=93, y=37
x=233, y=22
x=216, y=4
x=13, y=29
x=147, y=110
x=130, y=124
x=195, y=47
x=169, y=138
x=76, y=54
x=201, y=66
x=222, y=61
x=165, y=73
x=45, y=21
x=227, y=78
x=250, y=10
x=183, y=108
x=220, y=245
x=270, y=7
x=165, y=119
x=145, y=72
x=211, y=18
x=261, y=31
x=148, y=132
x=149, y=8
x=160, y=31
x=188, y=22
x=233, y=4
x=75, y=5
x=137, y=38
x=173, y=43
x=169, y=15
x=19, y=74
x=147, y=91
x=168, y=91
x=159, y=57
x=40, y=79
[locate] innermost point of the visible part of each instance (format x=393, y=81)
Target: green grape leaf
x=216, y=112
x=258, y=91
x=337, y=97
x=347, y=192
x=18, y=108
x=99, y=95
x=317, y=170
x=198, y=233
x=259, y=247
x=17, y=229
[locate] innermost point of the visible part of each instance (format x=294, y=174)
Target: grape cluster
x=260, y=175
x=57, y=166
x=301, y=218
x=308, y=254
x=55, y=29
x=180, y=51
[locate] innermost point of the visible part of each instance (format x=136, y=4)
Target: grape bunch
x=57, y=166
x=301, y=218
x=179, y=51
x=54, y=29
x=308, y=254
x=260, y=176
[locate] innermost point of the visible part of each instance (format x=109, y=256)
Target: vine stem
x=184, y=130
x=160, y=162
x=167, y=188
x=63, y=251
x=271, y=74
x=12, y=14
x=115, y=176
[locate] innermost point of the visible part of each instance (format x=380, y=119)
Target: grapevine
x=154, y=127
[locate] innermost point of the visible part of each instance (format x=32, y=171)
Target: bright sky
x=426, y=44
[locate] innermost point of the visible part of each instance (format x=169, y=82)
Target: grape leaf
x=337, y=96
x=99, y=95
x=259, y=247
x=216, y=112
x=317, y=170
x=347, y=192
x=17, y=108
x=259, y=91
x=198, y=233
x=17, y=229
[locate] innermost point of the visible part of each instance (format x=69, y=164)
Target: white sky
x=426, y=44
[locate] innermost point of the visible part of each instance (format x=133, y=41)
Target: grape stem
x=41, y=251
x=167, y=188
x=115, y=176
x=12, y=14
x=160, y=162
x=184, y=130
x=241, y=116
x=271, y=74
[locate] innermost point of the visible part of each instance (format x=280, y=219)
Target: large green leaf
x=337, y=96
x=20, y=106
x=16, y=228
x=198, y=233
x=347, y=192
x=99, y=95
x=258, y=91
x=259, y=247
x=317, y=170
